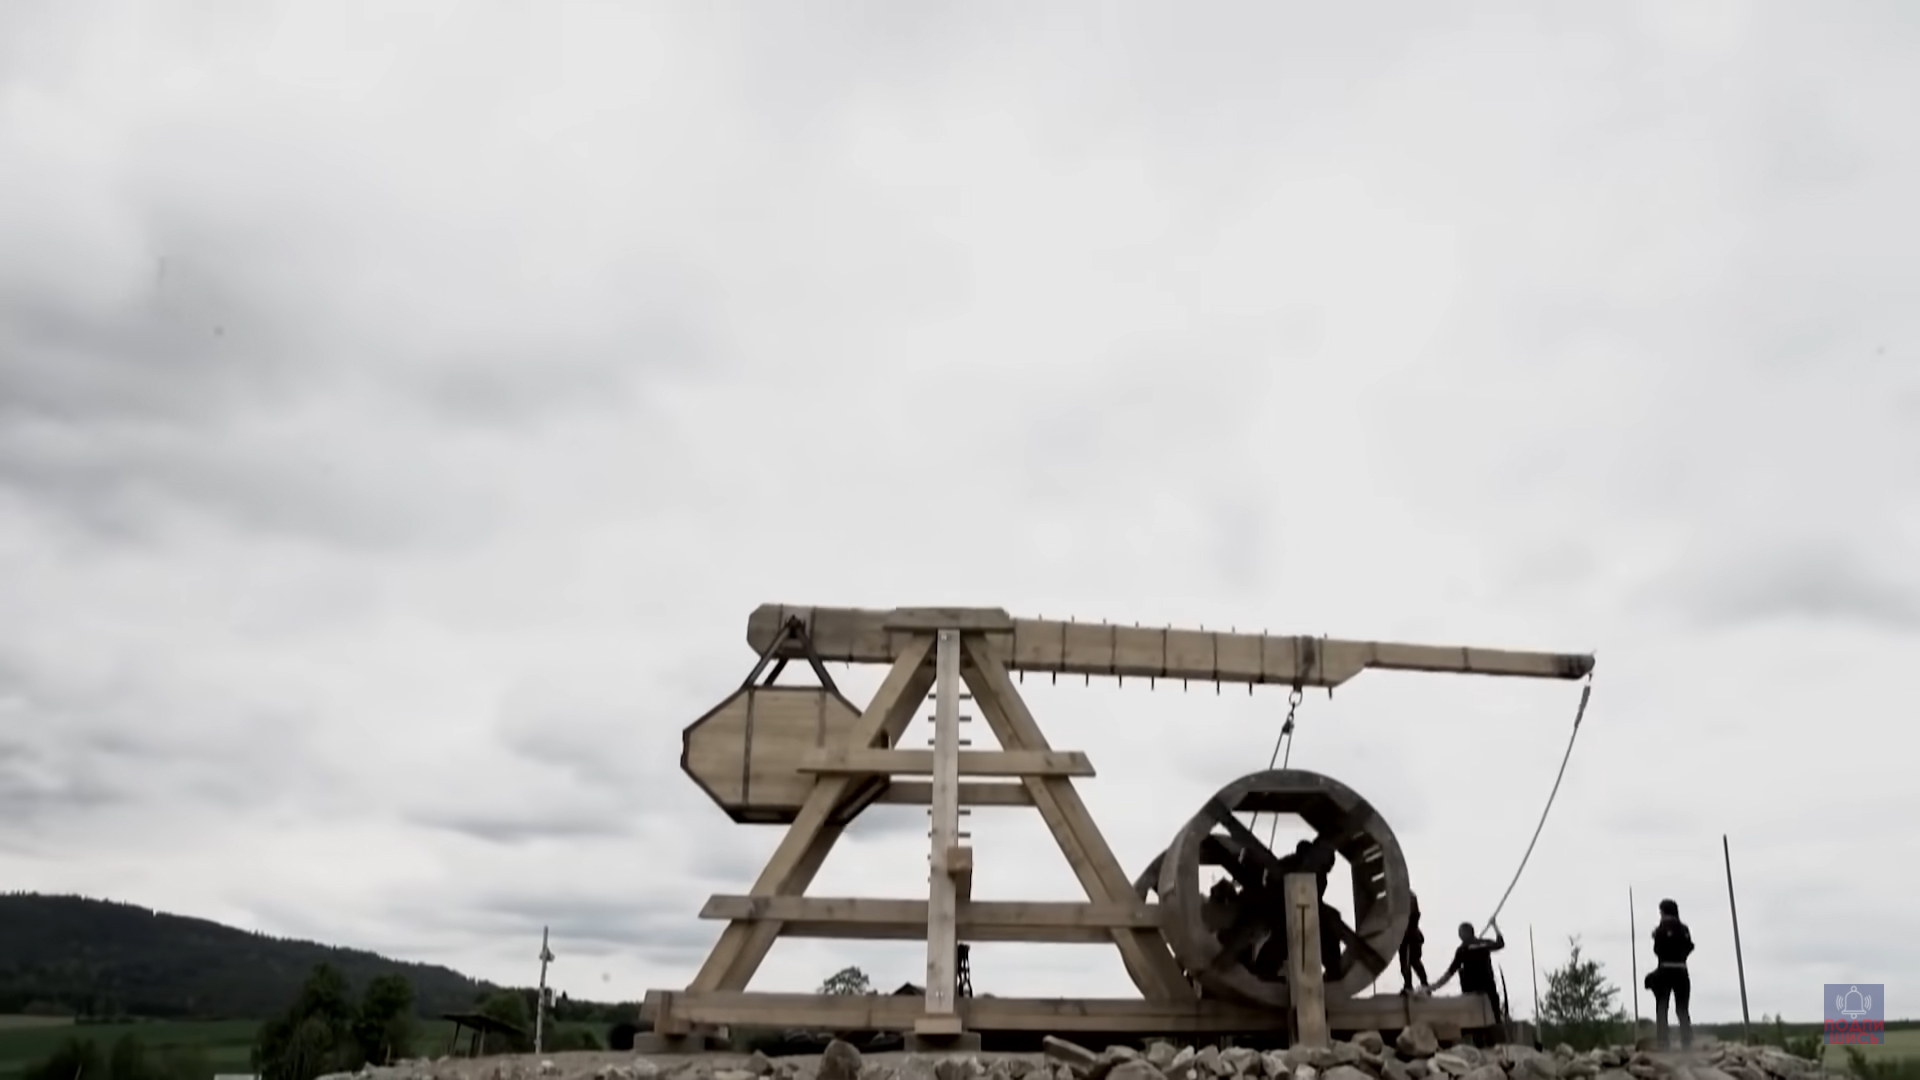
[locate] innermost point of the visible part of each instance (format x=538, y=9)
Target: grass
x=228, y=1043
x=28, y=1040
x=1897, y=1045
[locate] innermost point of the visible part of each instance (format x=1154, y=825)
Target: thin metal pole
x=1746, y=1021
x=1533, y=961
x=1633, y=941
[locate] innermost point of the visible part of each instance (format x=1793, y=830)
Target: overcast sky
x=402, y=410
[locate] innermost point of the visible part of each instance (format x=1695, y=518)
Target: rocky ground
x=1414, y=1055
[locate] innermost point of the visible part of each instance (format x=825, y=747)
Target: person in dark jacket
x=1410, y=946
x=1672, y=944
x=1473, y=960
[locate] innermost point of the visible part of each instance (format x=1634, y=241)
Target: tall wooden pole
x=540, y=1001
x=1633, y=941
x=1746, y=1021
x=1533, y=961
x=942, y=895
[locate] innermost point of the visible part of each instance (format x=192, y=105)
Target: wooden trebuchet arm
x=876, y=636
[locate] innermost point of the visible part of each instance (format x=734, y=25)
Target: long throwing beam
x=875, y=636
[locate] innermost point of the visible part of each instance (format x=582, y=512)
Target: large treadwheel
x=1219, y=935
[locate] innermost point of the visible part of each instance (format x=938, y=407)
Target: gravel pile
x=1414, y=1055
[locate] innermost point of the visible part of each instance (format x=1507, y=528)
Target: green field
x=228, y=1043
x=1899, y=1044
x=27, y=1040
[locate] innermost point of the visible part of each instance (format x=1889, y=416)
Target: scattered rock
x=1706, y=1072
x=1418, y=1069
x=965, y=1068
x=840, y=1062
x=1449, y=1063
x=760, y=1064
x=732, y=1074
x=1061, y=1050
x=1207, y=1058
x=1417, y=1041
x=1487, y=1072
x=1135, y=1068
x=1160, y=1054
x=1243, y=1060
x=1345, y=1072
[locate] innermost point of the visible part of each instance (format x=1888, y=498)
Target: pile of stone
x=1415, y=1054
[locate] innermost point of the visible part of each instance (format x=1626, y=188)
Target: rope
x=1586, y=692
x=1285, y=737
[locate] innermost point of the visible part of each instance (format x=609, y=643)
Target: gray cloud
x=1821, y=582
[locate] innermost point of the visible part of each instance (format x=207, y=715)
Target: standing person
x=1672, y=943
x=1473, y=960
x=1410, y=946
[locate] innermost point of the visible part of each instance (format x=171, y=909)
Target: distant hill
x=100, y=958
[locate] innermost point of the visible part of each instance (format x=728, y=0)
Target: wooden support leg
x=942, y=900
x=1305, y=984
x=1148, y=962
x=744, y=945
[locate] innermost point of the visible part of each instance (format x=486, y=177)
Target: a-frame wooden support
x=869, y=749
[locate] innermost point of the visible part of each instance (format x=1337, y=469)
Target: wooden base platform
x=679, y=1011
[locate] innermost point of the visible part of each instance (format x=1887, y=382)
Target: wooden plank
x=942, y=896
x=820, y=1012
x=866, y=911
x=743, y=946
x=883, y=762
x=1144, y=953
x=870, y=636
x=960, y=869
x=949, y=618
x=1306, y=985
x=987, y=793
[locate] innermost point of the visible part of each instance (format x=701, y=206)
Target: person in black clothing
x=1473, y=960
x=1309, y=856
x=1672, y=942
x=1410, y=962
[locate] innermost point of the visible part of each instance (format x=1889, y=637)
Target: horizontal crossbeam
x=880, y=762
x=906, y=920
x=920, y=793
x=820, y=1012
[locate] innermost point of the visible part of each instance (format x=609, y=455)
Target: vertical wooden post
x=1633, y=941
x=1746, y=1021
x=942, y=899
x=1306, y=984
x=1533, y=961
